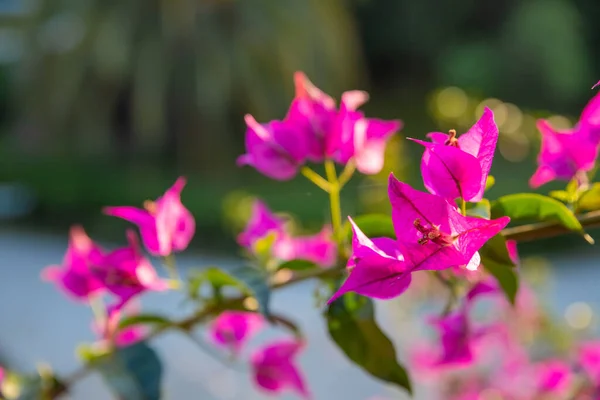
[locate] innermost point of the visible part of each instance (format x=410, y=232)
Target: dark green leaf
x=352, y=326
x=373, y=225
x=144, y=319
x=497, y=261
x=531, y=206
x=480, y=209
x=256, y=282
x=297, y=265
x=133, y=372
x=590, y=199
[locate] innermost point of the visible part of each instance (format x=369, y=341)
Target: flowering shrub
x=450, y=240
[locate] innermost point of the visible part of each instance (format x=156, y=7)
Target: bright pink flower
x=553, y=376
x=343, y=134
x=589, y=360
x=262, y=222
x=564, y=154
x=126, y=273
x=431, y=231
x=232, y=329
x=274, y=369
x=314, y=113
x=166, y=225
x=359, y=138
x=110, y=331
x=74, y=276
x=320, y=248
x=377, y=268
x=454, y=168
x=276, y=149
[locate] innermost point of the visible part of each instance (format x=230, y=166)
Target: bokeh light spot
x=452, y=102
x=579, y=315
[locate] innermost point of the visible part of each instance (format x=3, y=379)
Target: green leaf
x=133, y=372
x=144, y=319
x=373, y=225
x=560, y=195
x=489, y=182
x=531, y=206
x=297, y=265
x=590, y=199
x=256, y=282
x=496, y=260
x=352, y=326
x=480, y=209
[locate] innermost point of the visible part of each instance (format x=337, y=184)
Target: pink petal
x=450, y=172
x=370, y=139
x=409, y=204
x=513, y=253
x=145, y=222
x=589, y=359
x=438, y=137
x=320, y=248
x=234, y=328
x=480, y=141
x=306, y=89
x=175, y=225
x=472, y=232
x=375, y=273
x=353, y=99
x=262, y=221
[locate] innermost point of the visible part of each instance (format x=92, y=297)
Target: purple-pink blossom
x=320, y=248
x=232, y=329
x=74, y=276
x=109, y=331
x=565, y=154
x=458, y=167
x=165, y=225
x=126, y=273
x=274, y=368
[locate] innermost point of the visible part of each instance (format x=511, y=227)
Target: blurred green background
x=106, y=102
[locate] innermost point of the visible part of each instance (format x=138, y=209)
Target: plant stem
x=520, y=234
x=171, y=266
x=334, y=200
x=463, y=207
x=347, y=173
x=315, y=178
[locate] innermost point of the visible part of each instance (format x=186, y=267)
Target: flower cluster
x=449, y=230
x=315, y=130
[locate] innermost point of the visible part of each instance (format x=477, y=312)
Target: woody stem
x=334, y=200
x=171, y=267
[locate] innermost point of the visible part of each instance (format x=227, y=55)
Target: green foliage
x=496, y=260
x=530, y=206
x=352, y=326
x=39, y=387
x=154, y=320
x=590, y=199
x=248, y=280
x=133, y=372
x=297, y=265
x=372, y=225
x=480, y=209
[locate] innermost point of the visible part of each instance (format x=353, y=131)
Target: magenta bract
x=232, y=329
x=275, y=371
x=74, y=276
x=165, y=225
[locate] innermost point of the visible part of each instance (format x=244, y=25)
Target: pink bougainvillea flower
x=565, y=154
x=596, y=85
x=589, y=360
x=320, y=248
x=74, y=276
x=276, y=149
x=126, y=273
x=166, y=225
x=340, y=135
x=109, y=331
x=274, y=369
x=432, y=235
x=458, y=167
x=262, y=222
x=232, y=329
x=432, y=231
x=377, y=268
x=359, y=138
x=314, y=114
x=552, y=376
